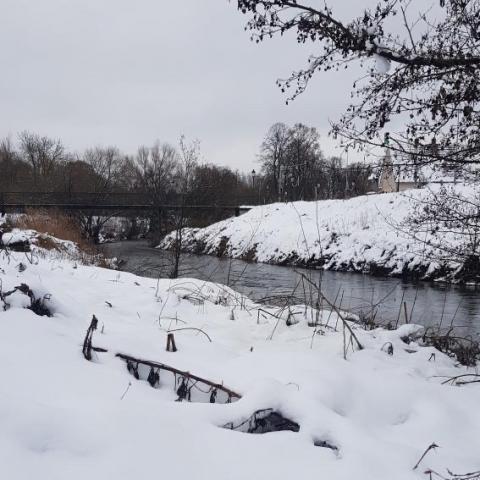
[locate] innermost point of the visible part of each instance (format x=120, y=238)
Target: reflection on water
x=427, y=303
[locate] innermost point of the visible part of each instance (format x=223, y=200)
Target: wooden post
x=171, y=347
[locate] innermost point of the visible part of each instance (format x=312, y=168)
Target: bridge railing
x=74, y=198
x=130, y=199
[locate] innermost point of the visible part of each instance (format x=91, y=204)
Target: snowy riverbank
x=362, y=234
x=371, y=415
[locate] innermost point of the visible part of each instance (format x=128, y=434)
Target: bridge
x=19, y=202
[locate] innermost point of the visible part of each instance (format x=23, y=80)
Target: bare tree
x=273, y=155
x=157, y=167
x=215, y=185
x=105, y=163
x=42, y=153
x=189, y=155
x=304, y=158
x=12, y=167
x=291, y=159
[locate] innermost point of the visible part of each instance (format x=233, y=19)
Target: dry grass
x=56, y=224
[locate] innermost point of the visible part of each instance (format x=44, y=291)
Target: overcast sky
x=128, y=72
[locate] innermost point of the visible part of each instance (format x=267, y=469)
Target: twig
x=454, y=380
x=431, y=447
x=191, y=328
x=125, y=392
x=400, y=309
x=337, y=311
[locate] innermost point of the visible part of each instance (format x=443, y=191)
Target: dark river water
x=427, y=303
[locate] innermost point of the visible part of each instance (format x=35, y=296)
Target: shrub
x=56, y=224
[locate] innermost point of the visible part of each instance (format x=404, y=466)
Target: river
x=427, y=303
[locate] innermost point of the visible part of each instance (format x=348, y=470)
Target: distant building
x=386, y=177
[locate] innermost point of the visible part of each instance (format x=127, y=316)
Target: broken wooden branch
x=433, y=446
x=87, y=342
x=162, y=366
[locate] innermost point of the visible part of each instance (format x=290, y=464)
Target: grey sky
x=127, y=72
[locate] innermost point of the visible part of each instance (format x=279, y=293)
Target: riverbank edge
x=427, y=272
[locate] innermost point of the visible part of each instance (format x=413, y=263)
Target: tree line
x=293, y=167
x=38, y=163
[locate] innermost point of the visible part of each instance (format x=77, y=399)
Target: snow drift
x=369, y=415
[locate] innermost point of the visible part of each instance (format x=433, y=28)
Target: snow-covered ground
x=362, y=234
x=43, y=245
x=63, y=417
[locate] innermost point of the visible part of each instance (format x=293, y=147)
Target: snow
x=360, y=234
x=382, y=64
x=16, y=236
x=63, y=417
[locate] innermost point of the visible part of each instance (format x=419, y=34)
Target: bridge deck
x=119, y=207
x=19, y=201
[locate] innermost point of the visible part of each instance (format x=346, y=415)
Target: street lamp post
x=254, y=173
